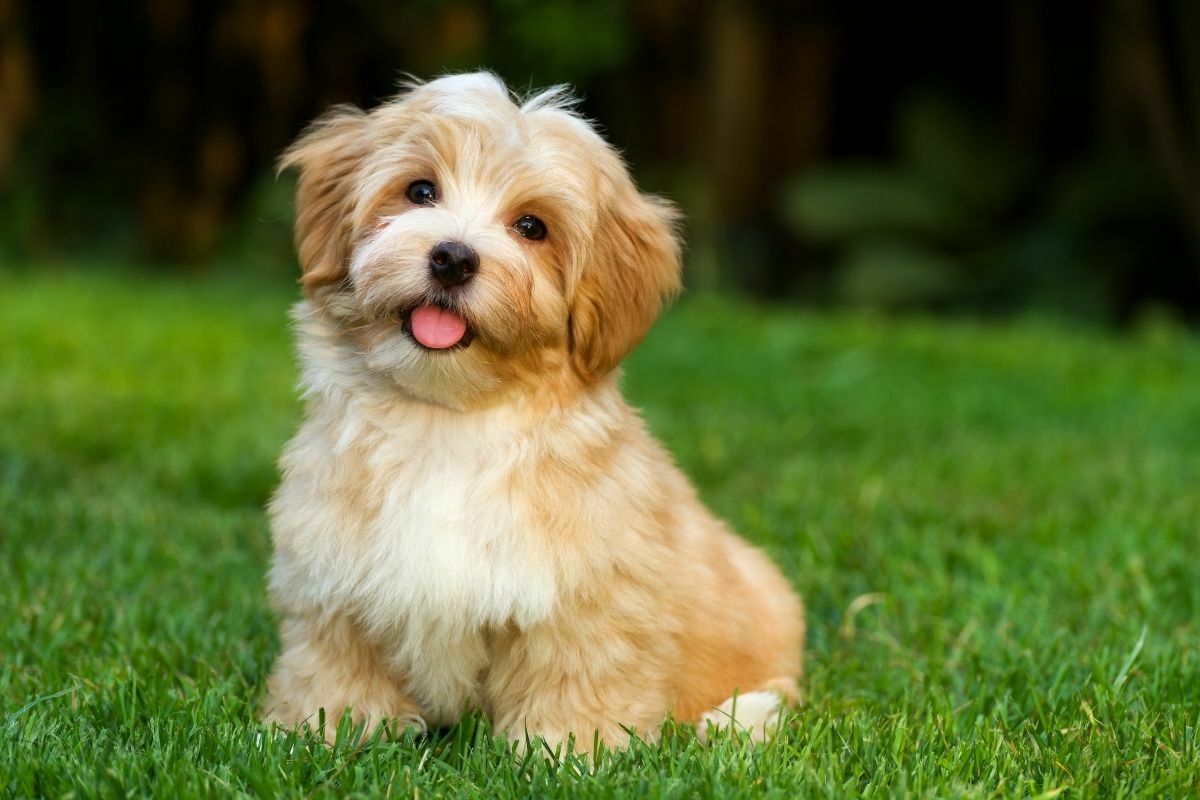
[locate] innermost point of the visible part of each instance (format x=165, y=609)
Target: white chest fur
x=410, y=523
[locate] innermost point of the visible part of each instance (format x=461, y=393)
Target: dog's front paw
x=397, y=726
x=327, y=725
x=391, y=727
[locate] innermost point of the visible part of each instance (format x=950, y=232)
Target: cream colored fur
x=493, y=527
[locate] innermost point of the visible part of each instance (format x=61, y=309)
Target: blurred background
x=990, y=158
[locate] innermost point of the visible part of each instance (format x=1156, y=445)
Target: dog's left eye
x=530, y=227
x=422, y=193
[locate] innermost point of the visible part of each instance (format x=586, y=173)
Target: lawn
x=995, y=527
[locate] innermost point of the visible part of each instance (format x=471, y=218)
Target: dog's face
x=470, y=244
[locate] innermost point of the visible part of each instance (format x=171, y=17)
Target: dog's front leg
x=326, y=664
x=566, y=681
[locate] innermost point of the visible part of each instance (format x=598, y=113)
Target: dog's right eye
x=422, y=193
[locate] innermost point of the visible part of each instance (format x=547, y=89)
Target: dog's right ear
x=328, y=156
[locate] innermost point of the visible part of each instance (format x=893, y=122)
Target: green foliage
x=906, y=233
x=844, y=202
x=958, y=153
x=261, y=241
x=960, y=218
x=993, y=527
x=896, y=273
x=561, y=40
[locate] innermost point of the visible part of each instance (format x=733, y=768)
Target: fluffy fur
x=491, y=526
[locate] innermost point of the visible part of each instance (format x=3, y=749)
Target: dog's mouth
x=436, y=327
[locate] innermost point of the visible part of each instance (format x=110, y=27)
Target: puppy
x=471, y=516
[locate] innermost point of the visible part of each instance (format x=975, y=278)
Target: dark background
x=1020, y=156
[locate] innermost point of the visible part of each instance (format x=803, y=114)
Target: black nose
x=452, y=263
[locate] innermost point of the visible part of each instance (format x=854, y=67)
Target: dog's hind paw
x=756, y=713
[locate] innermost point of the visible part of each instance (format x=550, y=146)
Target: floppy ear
x=633, y=268
x=328, y=156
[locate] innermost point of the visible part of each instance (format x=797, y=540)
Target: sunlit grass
x=996, y=530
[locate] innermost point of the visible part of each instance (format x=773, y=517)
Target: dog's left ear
x=632, y=270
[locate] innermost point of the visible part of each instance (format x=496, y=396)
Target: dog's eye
x=530, y=227
x=422, y=193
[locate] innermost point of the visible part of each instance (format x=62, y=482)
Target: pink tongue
x=436, y=327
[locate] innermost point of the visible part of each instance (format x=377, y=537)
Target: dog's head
x=470, y=243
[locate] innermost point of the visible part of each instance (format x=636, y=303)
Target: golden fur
x=492, y=526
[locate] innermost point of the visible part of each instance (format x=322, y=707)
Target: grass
x=994, y=527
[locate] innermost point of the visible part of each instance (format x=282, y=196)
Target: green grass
x=995, y=529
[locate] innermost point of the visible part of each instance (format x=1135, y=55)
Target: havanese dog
x=471, y=516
